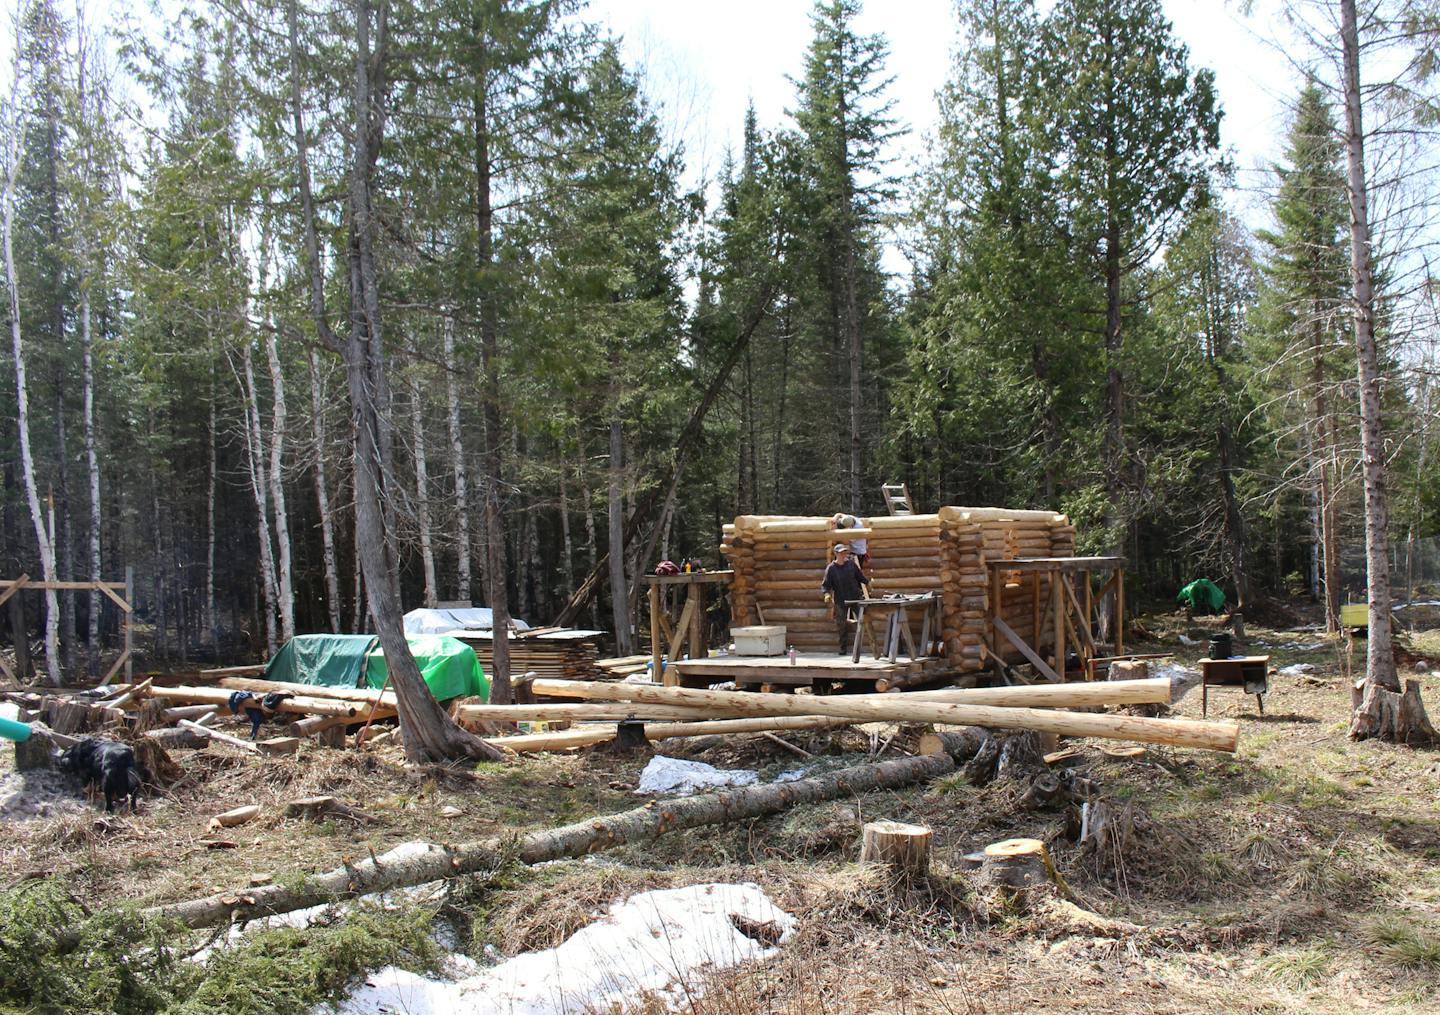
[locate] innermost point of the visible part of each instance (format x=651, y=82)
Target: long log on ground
x=364, y=694
x=549, y=712
x=1116, y=692
x=1213, y=736
x=295, y=706
x=416, y=863
x=564, y=740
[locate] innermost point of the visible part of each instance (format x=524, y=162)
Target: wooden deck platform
x=822, y=671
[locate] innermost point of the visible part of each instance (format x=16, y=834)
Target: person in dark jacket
x=843, y=584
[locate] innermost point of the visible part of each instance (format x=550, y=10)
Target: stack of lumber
x=621, y=667
x=1038, y=707
x=780, y=561
x=553, y=653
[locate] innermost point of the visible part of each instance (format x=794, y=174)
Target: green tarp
x=449, y=666
x=330, y=660
x=1202, y=594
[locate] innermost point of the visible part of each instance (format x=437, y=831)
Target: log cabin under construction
x=986, y=609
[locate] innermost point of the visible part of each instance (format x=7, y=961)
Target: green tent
x=449, y=667
x=1202, y=594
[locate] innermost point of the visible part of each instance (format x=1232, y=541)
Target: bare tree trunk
x=422, y=495
x=286, y=579
x=322, y=495
x=1381, y=679
x=1324, y=455
x=619, y=597
x=567, y=566
x=428, y=732
x=592, y=549
x=92, y=468
x=15, y=132
x=457, y=457
x=255, y=458
x=211, y=627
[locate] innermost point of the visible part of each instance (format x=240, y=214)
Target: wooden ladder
x=897, y=498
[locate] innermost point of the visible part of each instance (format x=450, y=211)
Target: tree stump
x=1383, y=714
x=34, y=753
x=152, y=757
x=151, y=715
x=961, y=745
x=68, y=716
x=1015, y=867
x=1129, y=669
x=905, y=849
x=1021, y=753
x=1105, y=833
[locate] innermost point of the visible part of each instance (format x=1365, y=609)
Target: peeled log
x=351, y=694
x=418, y=862
x=1115, y=692
x=565, y=740
x=1214, y=736
x=294, y=706
x=905, y=849
x=551, y=712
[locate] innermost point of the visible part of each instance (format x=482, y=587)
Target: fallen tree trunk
x=1155, y=690
x=564, y=740
x=1213, y=736
x=415, y=863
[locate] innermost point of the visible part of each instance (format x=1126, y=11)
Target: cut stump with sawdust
x=903, y=848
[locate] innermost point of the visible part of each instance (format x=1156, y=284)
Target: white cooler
x=759, y=641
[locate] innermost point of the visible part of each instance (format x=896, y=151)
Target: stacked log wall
x=780, y=562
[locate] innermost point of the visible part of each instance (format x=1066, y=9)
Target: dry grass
x=1300, y=875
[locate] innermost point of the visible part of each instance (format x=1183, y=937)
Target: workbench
x=1249, y=672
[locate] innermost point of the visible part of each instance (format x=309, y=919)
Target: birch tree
x=15, y=130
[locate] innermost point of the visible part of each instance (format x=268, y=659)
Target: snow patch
x=1297, y=669
x=655, y=941
x=677, y=775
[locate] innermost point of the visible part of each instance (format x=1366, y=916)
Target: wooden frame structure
x=1059, y=612
x=686, y=631
x=120, y=593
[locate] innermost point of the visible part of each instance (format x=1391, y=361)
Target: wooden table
x=1236, y=671
x=689, y=630
x=896, y=612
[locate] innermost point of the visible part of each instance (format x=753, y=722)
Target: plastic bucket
x=1221, y=647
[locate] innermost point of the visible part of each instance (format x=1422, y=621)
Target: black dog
x=111, y=764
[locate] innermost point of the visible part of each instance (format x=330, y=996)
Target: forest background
x=572, y=345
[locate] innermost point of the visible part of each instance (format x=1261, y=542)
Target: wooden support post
x=698, y=648
x=655, y=643
x=1119, y=611
x=125, y=618
x=997, y=596
x=1058, y=605
x=1035, y=607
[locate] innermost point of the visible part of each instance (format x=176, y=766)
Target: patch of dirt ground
x=1301, y=874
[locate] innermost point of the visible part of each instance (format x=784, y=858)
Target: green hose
x=12, y=730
